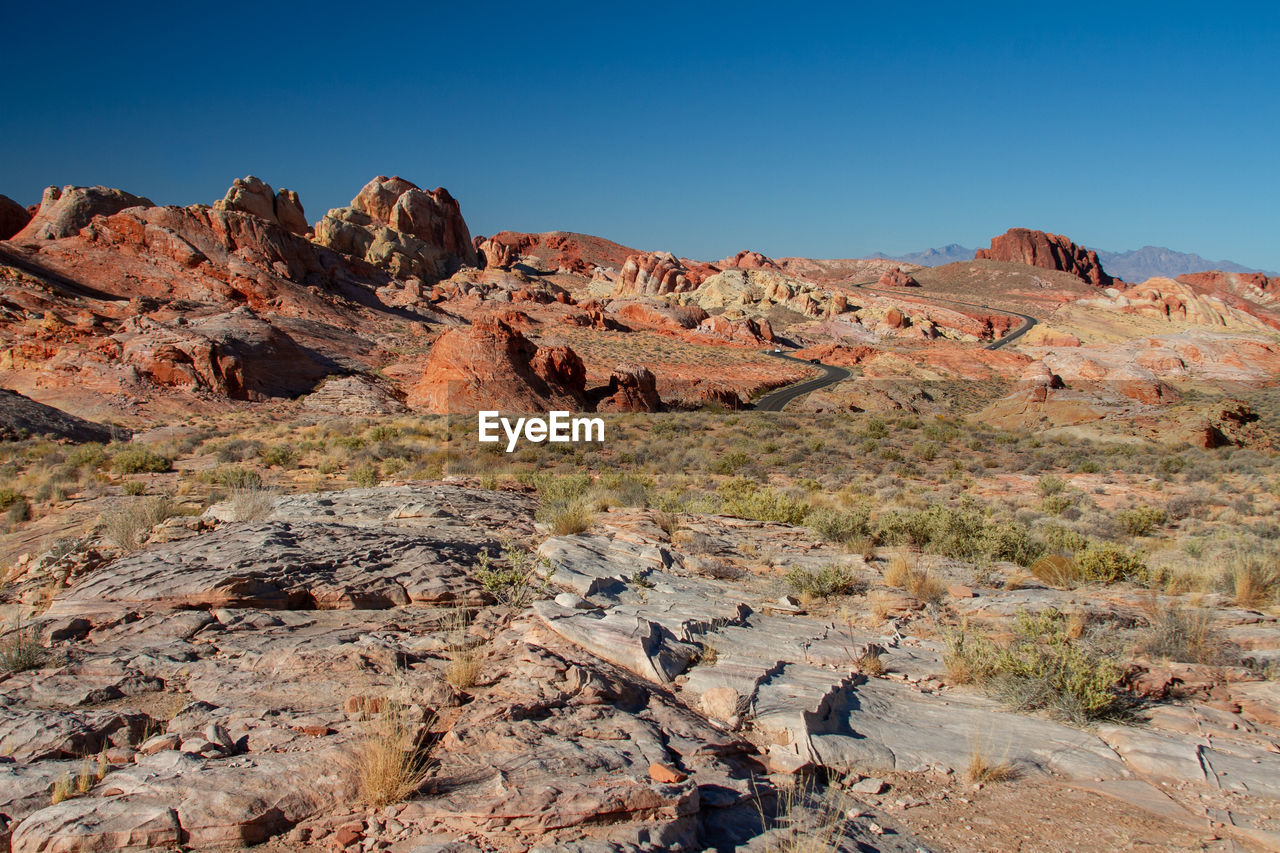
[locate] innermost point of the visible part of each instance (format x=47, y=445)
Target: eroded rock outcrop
x=897, y=277
x=395, y=225
x=65, y=210
x=655, y=274
x=13, y=217
x=490, y=365
x=1050, y=251
x=749, y=260
x=253, y=195
x=632, y=388
x=236, y=354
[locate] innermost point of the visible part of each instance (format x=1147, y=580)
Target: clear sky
x=702, y=128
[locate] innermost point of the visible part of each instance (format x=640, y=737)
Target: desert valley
x=872, y=555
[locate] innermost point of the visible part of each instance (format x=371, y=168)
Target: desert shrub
x=614, y=489
x=139, y=460
x=1252, y=580
x=383, y=432
x=1050, y=484
x=366, y=475
x=986, y=771
x=917, y=580
x=1184, y=635
x=232, y=477
x=1042, y=666
x=390, y=760
x=9, y=497
x=826, y=582
x=133, y=488
x=745, y=499
x=1105, y=562
x=1179, y=507
x=237, y=450
x=127, y=524
x=251, y=503
x=278, y=456
x=89, y=455
x=18, y=512
x=842, y=526
x=1062, y=540
x=1141, y=520
x=518, y=582
x=1057, y=570
x=1057, y=504
x=961, y=532
x=21, y=649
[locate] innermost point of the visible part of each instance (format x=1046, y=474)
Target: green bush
x=1041, y=667
x=1141, y=520
x=1104, y=562
x=826, y=582
x=134, y=487
x=9, y=497
x=964, y=533
x=745, y=499
x=365, y=475
x=278, y=455
x=835, y=525
x=139, y=460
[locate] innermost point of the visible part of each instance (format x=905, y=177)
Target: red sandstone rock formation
x=1050, y=251
x=654, y=274
x=489, y=365
x=64, y=211
x=13, y=217
x=897, y=278
x=632, y=388
x=748, y=260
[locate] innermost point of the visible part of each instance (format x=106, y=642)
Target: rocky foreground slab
x=212, y=692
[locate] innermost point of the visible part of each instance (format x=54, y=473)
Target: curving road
x=776, y=401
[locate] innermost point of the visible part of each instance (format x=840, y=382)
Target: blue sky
x=703, y=128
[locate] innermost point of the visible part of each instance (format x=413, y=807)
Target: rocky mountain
x=1150, y=261
x=948, y=254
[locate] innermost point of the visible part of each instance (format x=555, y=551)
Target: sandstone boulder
x=490, y=365
x=897, y=278
x=64, y=211
x=632, y=388
x=1050, y=251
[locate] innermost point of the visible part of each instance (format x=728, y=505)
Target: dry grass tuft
x=920, y=582
x=1057, y=571
x=390, y=762
x=982, y=770
x=463, y=669
x=1252, y=581
x=128, y=524
x=571, y=519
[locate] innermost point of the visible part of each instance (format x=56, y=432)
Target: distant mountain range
x=1134, y=265
x=932, y=257
x=1142, y=264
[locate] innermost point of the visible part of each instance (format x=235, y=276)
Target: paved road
x=776, y=401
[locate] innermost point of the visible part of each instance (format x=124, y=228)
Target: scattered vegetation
x=904, y=573
x=128, y=524
x=139, y=460
x=21, y=649
x=1041, y=666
